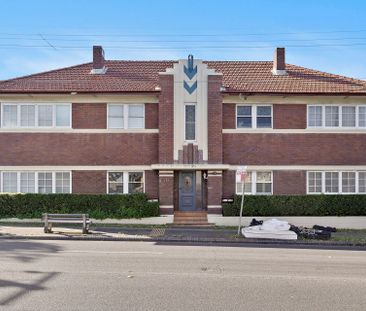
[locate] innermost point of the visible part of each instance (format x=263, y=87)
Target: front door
x=187, y=191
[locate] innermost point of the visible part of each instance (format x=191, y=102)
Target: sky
x=42, y=35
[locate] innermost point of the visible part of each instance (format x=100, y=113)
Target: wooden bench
x=49, y=219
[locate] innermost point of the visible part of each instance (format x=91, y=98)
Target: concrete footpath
x=170, y=234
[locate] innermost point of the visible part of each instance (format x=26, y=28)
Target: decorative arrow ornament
x=190, y=89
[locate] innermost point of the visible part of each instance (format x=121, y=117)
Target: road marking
x=112, y=252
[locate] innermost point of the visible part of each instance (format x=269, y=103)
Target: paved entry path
x=94, y=275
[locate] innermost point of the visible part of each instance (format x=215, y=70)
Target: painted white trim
x=190, y=166
x=294, y=131
x=214, y=206
x=81, y=98
x=340, y=127
x=77, y=131
x=300, y=167
x=36, y=127
x=126, y=110
x=172, y=167
x=340, y=176
x=125, y=180
x=132, y=168
x=254, y=116
x=254, y=183
x=293, y=99
x=36, y=183
x=166, y=206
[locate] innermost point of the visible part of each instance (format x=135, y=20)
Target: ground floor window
x=36, y=182
x=125, y=182
x=256, y=182
x=333, y=182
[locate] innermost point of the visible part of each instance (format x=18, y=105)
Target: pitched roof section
x=142, y=76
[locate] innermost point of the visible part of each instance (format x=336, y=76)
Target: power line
x=185, y=34
x=182, y=41
x=180, y=47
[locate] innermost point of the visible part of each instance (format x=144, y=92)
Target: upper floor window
x=129, y=116
x=332, y=116
x=254, y=116
x=190, y=122
x=256, y=183
x=35, y=115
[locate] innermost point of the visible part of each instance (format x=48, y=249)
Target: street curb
x=255, y=242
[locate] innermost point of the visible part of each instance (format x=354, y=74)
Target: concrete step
x=198, y=213
x=191, y=221
x=196, y=219
x=191, y=218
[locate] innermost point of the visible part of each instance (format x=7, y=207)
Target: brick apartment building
x=178, y=130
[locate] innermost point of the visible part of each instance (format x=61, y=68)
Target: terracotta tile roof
x=142, y=76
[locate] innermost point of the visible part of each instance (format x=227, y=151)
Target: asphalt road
x=90, y=275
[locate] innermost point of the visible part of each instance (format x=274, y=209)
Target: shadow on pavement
x=24, y=288
x=26, y=250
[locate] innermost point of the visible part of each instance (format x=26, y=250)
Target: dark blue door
x=187, y=191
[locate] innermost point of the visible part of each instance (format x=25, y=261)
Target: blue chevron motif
x=190, y=72
x=190, y=89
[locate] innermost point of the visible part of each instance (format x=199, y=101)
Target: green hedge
x=301, y=205
x=97, y=206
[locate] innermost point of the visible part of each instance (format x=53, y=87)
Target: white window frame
x=358, y=116
x=125, y=179
x=340, y=121
x=125, y=115
x=358, y=182
x=254, y=184
x=195, y=122
x=36, y=125
x=128, y=116
x=251, y=116
x=254, y=116
x=36, y=179
x=308, y=179
x=340, y=190
x=308, y=119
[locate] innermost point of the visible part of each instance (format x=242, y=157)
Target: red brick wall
x=152, y=184
x=289, y=182
x=229, y=116
x=284, y=183
x=166, y=104
x=294, y=149
x=287, y=116
x=151, y=116
x=228, y=184
x=89, y=116
x=166, y=193
x=215, y=119
x=214, y=193
x=78, y=149
x=89, y=181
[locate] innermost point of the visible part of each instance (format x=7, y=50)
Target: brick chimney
x=279, y=65
x=98, y=60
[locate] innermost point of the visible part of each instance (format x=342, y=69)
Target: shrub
x=98, y=206
x=298, y=205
